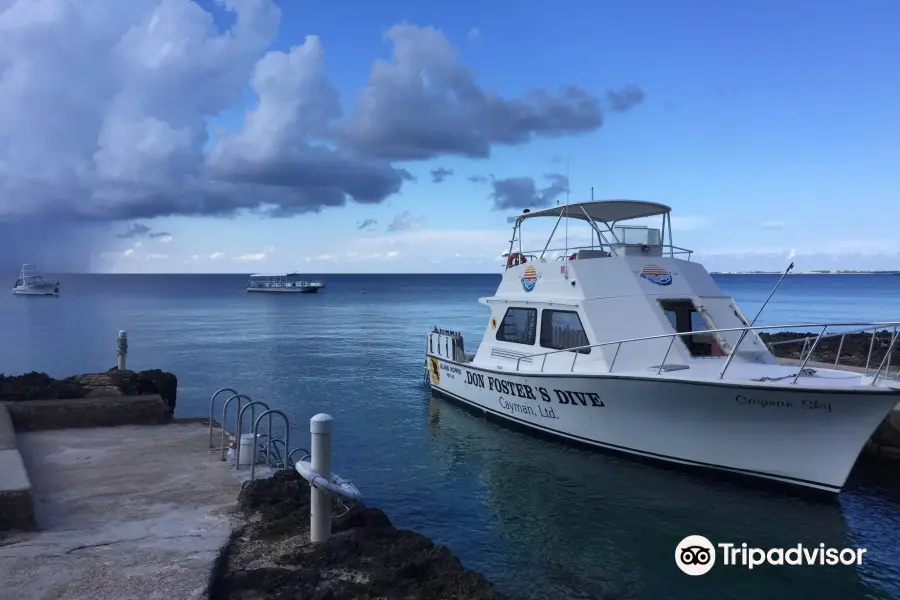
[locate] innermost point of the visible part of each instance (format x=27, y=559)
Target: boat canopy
x=605, y=211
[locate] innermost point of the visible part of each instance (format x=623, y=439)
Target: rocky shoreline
x=40, y=386
x=270, y=557
x=854, y=351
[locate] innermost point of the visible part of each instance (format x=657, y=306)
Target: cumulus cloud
x=424, y=103
x=405, y=221
x=106, y=117
x=440, y=174
x=522, y=192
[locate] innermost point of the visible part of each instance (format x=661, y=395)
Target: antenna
x=786, y=271
x=745, y=331
x=566, y=210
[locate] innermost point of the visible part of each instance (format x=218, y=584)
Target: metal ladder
x=274, y=448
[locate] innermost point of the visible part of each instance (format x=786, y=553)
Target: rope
x=803, y=373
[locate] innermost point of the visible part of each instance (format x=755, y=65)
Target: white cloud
x=157, y=256
x=254, y=256
x=217, y=256
x=129, y=252
x=392, y=254
x=164, y=239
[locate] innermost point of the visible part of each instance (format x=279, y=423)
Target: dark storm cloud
x=625, y=99
x=108, y=128
x=516, y=193
x=139, y=230
x=440, y=174
x=136, y=230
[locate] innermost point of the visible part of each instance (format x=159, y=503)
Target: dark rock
x=40, y=386
x=854, y=349
x=37, y=386
x=166, y=385
x=366, y=558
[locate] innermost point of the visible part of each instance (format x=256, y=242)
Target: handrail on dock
x=883, y=326
x=212, y=414
x=275, y=458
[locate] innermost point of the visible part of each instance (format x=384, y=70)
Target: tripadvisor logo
x=696, y=555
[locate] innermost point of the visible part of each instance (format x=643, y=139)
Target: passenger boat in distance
x=32, y=283
x=626, y=344
x=283, y=283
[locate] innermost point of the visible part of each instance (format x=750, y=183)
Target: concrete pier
x=129, y=512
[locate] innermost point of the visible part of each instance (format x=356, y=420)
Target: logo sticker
x=434, y=369
x=493, y=322
x=656, y=275
x=529, y=278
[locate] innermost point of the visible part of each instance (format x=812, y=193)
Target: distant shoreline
x=805, y=273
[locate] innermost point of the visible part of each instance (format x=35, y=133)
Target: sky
x=247, y=136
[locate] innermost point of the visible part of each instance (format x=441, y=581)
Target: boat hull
x=36, y=290
x=309, y=290
x=798, y=436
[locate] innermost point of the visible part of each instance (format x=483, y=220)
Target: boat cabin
x=566, y=306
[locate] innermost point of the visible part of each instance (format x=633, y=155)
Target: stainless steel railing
x=884, y=365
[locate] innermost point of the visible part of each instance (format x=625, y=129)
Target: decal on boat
x=529, y=278
x=656, y=275
x=493, y=322
x=434, y=369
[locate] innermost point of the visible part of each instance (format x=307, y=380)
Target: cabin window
x=562, y=329
x=519, y=326
x=685, y=318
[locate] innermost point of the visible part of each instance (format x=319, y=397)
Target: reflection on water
x=598, y=526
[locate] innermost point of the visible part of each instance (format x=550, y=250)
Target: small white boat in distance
x=284, y=283
x=31, y=283
x=628, y=345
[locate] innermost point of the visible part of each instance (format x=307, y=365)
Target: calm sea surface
x=540, y=519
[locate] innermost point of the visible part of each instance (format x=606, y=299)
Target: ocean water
x=541, y=519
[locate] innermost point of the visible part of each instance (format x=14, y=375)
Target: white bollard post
x=320, y=459
x=121, y=350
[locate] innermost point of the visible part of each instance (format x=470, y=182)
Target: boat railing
x=537, y=255
x=884, y=364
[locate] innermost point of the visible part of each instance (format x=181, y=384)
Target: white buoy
x=121, y=349
x=320, y=459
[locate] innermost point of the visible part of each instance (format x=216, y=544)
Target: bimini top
x=606, y=211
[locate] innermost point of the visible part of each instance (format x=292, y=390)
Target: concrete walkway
x=126, y=513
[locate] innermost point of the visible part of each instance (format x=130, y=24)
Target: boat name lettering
x=816, y=405
x=450, y=370
x=805, y=404
x=523, y=390
x=742, y=399
x=514, y=407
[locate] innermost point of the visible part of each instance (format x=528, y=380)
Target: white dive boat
x=31, y=283
x=627, y=345
x=290, y=283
